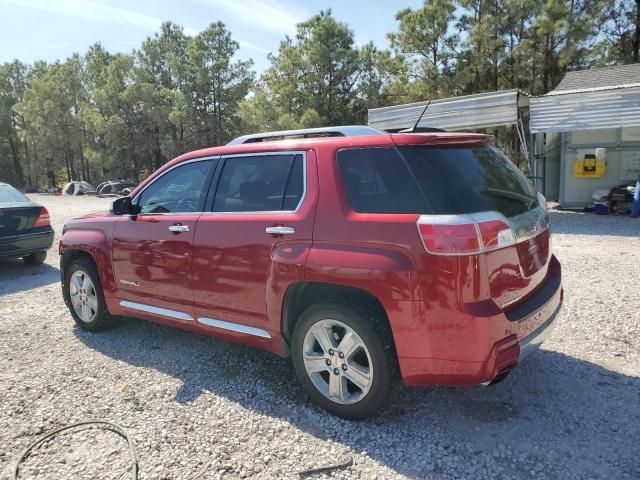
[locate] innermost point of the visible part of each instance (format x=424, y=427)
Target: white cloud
x=266, y=15
x=251, y=46
x=103, y=12
x=92, y=10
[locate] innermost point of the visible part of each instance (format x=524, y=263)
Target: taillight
x=43, y=219
x=464, y=234
x=446, y=239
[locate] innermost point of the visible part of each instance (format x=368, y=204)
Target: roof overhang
x=469, y=112
x=563, y=111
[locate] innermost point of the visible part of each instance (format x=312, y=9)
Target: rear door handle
x=280, y=230
x=177, y=228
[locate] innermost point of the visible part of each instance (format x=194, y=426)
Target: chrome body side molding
x=234, y=327
x=165, y=312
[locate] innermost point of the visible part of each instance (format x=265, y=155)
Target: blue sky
x=54, y=29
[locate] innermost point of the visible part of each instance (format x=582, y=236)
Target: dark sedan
x=25, y=227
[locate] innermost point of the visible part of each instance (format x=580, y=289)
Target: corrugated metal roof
x=603, y=108
x=599, y=77
x=459, y=113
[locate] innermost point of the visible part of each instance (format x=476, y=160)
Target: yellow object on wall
x=589, y=167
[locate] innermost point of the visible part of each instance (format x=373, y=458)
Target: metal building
x=586, y=133
x=469, y=112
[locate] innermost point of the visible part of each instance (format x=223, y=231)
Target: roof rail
x=345, y=131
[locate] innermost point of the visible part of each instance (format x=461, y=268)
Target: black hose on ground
x=117, y=429
x=346, y=463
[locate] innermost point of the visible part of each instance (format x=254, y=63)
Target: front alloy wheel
x=83, y=295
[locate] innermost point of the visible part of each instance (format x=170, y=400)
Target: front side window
x=260, y=183
x=177, y=191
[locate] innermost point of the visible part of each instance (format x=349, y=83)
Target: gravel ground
x=194, y=404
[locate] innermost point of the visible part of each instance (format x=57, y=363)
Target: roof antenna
x=415, y=125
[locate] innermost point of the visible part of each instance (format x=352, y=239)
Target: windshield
x=440, y=180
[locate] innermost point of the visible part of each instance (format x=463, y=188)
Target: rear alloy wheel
x=37, y=258
x=84, y=297
x=337, y=361
x=342, y=360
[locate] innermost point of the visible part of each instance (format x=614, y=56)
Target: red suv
x=358, y=253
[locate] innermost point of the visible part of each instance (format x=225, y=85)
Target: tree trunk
x=83, y=170
x=15, y=154
x=157, y=152
x=636, y=37
x=496, y=51
x=83, y=159
x=547, y=67
x=28, y=163
x=72, y=167
x=51, y=176
x=66, y=164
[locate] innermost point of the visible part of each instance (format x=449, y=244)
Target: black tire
x=37, y=258
x=372, y=327
x=102, y=319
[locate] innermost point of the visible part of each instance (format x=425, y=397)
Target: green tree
x=317, y=71
x=425, y=39
x=619, y=32
x=217, y=84
x=12, y=87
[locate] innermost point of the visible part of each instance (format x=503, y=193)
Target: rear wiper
x=520, y=197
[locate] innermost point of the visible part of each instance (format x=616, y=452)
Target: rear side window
x=434, y=180
x=8, y=194
x=260, y=183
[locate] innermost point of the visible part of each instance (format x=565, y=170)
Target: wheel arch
x=301, y=295
x=91, y=244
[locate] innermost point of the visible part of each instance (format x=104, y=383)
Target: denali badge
x=130, y=283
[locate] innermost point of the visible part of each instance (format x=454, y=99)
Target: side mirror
x=122, y=206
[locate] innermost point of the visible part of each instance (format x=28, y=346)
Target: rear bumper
x=20, y=245
x=532, y=341
x=456, y=348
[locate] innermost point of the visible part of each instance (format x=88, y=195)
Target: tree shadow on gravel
x=575, y=418
x=16, y=276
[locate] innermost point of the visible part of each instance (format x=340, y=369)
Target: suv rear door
x=254, y=238
x=448, y=183
x=153, y=250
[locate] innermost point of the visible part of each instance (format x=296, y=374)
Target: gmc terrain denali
x=360, y=254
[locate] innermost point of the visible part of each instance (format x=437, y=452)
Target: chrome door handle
x=280, y=230
x=179, y=228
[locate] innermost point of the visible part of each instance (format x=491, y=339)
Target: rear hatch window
x=434, y=180
x=9, y=195
x=17, y=213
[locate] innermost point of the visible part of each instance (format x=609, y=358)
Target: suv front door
x=153, y=250
x=253, y=240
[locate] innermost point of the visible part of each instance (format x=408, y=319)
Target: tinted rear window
x=9, y=194
x=434, y=180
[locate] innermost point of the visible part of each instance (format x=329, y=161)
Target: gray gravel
x=196, y=404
